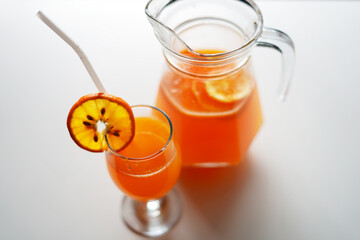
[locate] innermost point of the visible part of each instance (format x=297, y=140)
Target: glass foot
x=152, y=218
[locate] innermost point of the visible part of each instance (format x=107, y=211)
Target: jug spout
x=166, y=36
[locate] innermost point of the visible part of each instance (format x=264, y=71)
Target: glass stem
x=152, y=211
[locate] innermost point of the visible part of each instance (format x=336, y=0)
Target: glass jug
x=208, y=86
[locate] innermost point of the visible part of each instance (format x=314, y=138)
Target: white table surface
x=302, y=174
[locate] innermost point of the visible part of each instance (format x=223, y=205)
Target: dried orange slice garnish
x=95, y=115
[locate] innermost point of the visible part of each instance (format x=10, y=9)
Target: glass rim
x=154, y=154
x=223, y=55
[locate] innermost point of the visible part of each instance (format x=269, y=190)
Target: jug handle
x=280, y=41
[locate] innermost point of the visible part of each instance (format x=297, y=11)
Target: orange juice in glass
x=146, y=170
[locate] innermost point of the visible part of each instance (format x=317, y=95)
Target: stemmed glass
x=146, y=171
x=149, y=166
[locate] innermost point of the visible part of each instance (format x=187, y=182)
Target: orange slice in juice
x=229, y=90
x=95, y=115
x=225, y=93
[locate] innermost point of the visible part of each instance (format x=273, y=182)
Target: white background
x=300, y=179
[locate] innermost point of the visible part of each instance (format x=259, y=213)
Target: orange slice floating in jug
x=225, y=93
x=229, y=90
x=95, y=115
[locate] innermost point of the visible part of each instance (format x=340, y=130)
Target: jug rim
x=215, y=56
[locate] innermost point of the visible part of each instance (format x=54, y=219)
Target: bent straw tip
x=76, y=48
x=39, y=14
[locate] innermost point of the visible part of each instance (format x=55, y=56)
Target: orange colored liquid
x=210, y=132
x=151, y=178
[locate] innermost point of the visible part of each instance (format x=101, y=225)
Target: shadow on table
x=223, y=201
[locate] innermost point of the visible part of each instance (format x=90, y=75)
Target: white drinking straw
x=76, y=48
